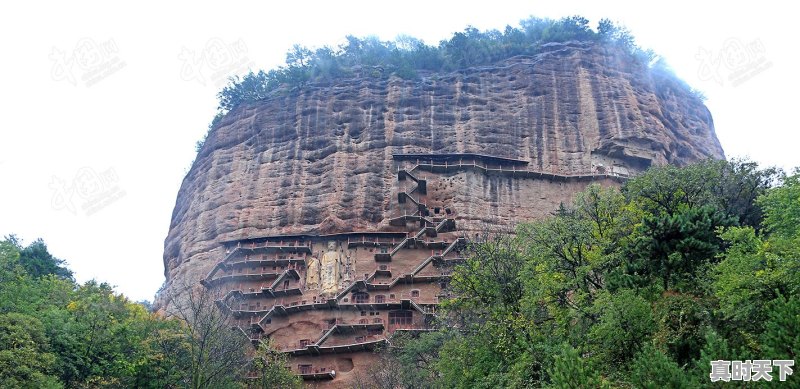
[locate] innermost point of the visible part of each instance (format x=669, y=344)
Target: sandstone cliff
x=319, y=160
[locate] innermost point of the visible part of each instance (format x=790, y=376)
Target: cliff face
x=293, y=199
x=320, y=160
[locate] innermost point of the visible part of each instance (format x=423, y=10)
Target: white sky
x=91, y=160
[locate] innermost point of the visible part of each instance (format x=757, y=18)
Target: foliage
x=410, y=362
x=682, y=209
x=652, y=369
x=729, y=187
x=493, y=282
x=56, y=333
x=674, y=248
x=406, y=56
x=473, y=361
x=680, y=326
x=635, y=288
x=781, y=336
x=270, y=369
x=409, y=58
x=25, y=361
x=37, y=261
x=782, y=209
x=626, y=321
x=716, y=347
x=571, y=371
x=489, y=306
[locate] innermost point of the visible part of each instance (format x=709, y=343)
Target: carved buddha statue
x=312, y=273
x=330, y=269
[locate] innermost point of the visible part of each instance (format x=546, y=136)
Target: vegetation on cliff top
x=406, y=56
x=409, y=57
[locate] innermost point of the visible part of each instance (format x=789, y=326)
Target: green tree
x=25, y=361
x=34, y=259
x=161, y=359
x=490, y=291
x=299, y=56
x=568, y=28
x=14, y=280
x=682, y=321
x=757, y=269
x=571, y=371
x=418, y=357
x=99, y=337
x=270, y=370
x=781, y=337
x=250, y=88
x=56, y=333
x=682, y=208
x=716, y=347
x=473, y=361
x=609, y=32
x=728, y=187
x=676, y=248
x=782, y=208
x=626, y=321
x=652, y=369
x=568, y=258
x=749, y=276
x=38, y=262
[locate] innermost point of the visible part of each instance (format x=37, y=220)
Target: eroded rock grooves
x=332, y=216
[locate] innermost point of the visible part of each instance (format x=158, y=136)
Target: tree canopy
x=406, y=56
x=56, y=333
x=411, y=58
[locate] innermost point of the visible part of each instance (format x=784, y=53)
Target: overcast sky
x=102, y=103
